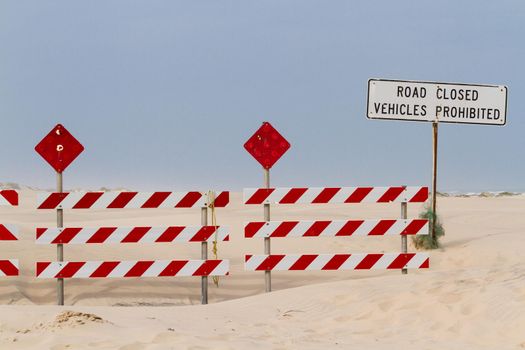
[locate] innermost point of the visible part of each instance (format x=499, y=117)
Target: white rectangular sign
x=431, y=101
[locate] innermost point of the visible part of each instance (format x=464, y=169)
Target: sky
x=163, y=94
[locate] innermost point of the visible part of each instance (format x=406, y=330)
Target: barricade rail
x=145, y=268
x=335, y=228
x=9, y=198
x=324, y=195
x=355, y=261
x=144, y=234
x=9, y=267
x=8, y=233
x=129, y=200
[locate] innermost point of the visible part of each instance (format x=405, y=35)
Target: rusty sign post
x=267, y=146
x=59, y=148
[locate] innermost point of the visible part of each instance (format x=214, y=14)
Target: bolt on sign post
x=59, y=148
x=267, y=146
x=436, y=103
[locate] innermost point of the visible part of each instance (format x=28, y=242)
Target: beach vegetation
x=428, y=241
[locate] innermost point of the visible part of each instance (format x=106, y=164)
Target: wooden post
x=434, y=178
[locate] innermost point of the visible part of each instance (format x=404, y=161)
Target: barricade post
x=404, y=247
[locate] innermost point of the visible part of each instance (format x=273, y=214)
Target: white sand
x=473, y=297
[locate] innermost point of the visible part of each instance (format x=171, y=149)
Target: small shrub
x=506, y=194
x=426, y=241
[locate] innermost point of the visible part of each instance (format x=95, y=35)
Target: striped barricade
x=128, y=200
x=324, y=195
x=9, y=198
x=9, y=268
x=337, y=228
x=146, y=234
x=8, y=233
x=116, y=269
x=142, y=234
x=311, y=262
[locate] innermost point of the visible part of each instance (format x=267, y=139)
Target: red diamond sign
x=267, y=145
x=59, y=148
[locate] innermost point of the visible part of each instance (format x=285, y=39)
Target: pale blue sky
x=163, y=94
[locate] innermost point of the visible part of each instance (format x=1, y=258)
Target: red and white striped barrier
x=120, y=200
x=152, y=268
x=313, y=195
x=144, y=234
x=361, y=261
x=9, y=198
x=8, y=232
x=9, y=267
x=77, y=235
x=335, y=228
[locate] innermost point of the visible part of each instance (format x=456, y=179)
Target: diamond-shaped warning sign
x=59, y=148
x=267, y=145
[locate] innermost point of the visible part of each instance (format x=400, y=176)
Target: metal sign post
x=59, y=148
x=60, y=247
x=267, y=146
x=404, y=248
x=204, y=256
x=436, y=103
x=267, y=247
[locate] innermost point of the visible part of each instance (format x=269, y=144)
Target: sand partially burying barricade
x=472, y=297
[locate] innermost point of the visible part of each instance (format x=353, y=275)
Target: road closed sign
x=432, y=101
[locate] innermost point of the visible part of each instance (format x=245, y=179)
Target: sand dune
x=472, y=297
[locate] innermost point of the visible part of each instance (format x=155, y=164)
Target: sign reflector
x=59, y=148
x=267, y=145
